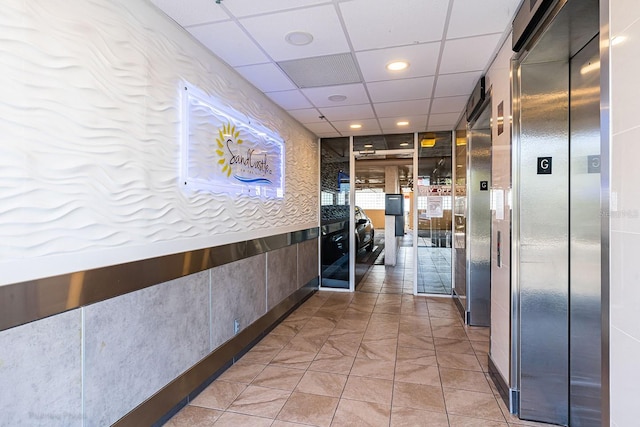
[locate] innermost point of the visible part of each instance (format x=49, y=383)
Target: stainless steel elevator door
x=584, y=232
x=478, y=305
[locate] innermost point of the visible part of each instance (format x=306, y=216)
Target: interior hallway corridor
x=361, y=359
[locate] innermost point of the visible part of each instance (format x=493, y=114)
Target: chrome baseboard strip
x=26, y=302
x=170, y=399
x=509, y=395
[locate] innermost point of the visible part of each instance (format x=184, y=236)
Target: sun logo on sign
x=227, y=134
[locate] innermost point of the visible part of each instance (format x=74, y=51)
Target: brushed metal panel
x=479, y=222
x=543, y=233
x=32, y=300
x=584, y=279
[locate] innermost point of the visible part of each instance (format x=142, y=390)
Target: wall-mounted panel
x=282, y=270
x=41, y=372
x=307, y=261
x=137, y=343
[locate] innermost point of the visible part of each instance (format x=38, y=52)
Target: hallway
x=375, y=359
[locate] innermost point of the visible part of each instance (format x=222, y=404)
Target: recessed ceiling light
x=337, y=98
x=402, y=123
x=368, y=145
x=355, y=126
x=397, y=65
x=404, y=144
x=298, y=38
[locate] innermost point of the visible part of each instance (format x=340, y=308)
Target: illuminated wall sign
x=225, y=152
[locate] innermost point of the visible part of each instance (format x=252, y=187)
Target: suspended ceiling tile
x=375, y=24
x=422, y=59
x=323, y=127
x=449, y=120
x=348, y=112
x=321, y=22
x=416, y=124
x=290, y=99
x=241, y=8
x=229, y=42
x=457, y=84
x=266, y=77
x=450, y=104
x=402, y=108
x=192, y=12
x=369, y=127
x=473, y=17
x=306, y=115
x=470, y=54
x=318, y=71
x=319, y=96
x=400, y=90
x=439, y=128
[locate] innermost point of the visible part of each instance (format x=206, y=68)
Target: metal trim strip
x=26, y=302
x=178, y=392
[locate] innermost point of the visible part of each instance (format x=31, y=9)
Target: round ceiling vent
x=337, y=98
x=298, y=38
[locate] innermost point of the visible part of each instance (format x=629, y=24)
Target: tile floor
x=361, y=359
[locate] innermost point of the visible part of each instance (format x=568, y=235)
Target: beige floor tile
x=410, y=417
x=319, y=323
x=346, y=335
x=460, y=421
x=191, y=416
x=451, y=332
x=260, y=355
x=275, y=341
x=447, y=345
x=357, y=413
x=416, y=356
x=278, y=377
x=476, y=333
x=368, y=389
x=294, y=359
x=418, y=396
x=278, y=423
x=376, y=350
x=260, y=401
x=218, y=395
x=306, y=343
x=341, y=347
x=417, y=374
x=332, y=363
x=483, y=359
x=473, y=404
x=465, y=380
x=468, y=362
x=232, y=419
x=373, y=368
x=309, y=409
x=289, y=327
x=480, y=346
x=322, y=383
x=415, y=341
x=242, y=372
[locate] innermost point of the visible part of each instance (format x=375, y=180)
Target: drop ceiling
x=339, y=77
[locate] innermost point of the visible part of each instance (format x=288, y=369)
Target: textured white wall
x=625, y=214
x=89, y=141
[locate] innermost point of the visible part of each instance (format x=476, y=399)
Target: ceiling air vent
x=320, y=71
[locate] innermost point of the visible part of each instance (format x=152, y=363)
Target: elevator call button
x=544, y=165
x=484, y=185
x=593, y=165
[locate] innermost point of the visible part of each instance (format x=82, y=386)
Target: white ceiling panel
x=449, y=119
x=319, y=96
x=192, y=12
x=321, y=22
x=457, y=84
x=469, y=54
x=241, y=8
x=369, y=127
x=473, y=17
x=348, y=112
x=266, y=77
x=375, y=24
x=230, y=43
x=450, y=104
x=422, y=59
x=290, y=99
x=416, y=124
x=306, y=115
x=439, y=128
x=402, y=108
x=401, y=90
x=322, y=127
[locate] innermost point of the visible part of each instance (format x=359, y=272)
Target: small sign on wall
x=225, y=152
x=544, y=165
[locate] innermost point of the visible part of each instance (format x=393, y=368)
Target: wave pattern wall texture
x=89, y=137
